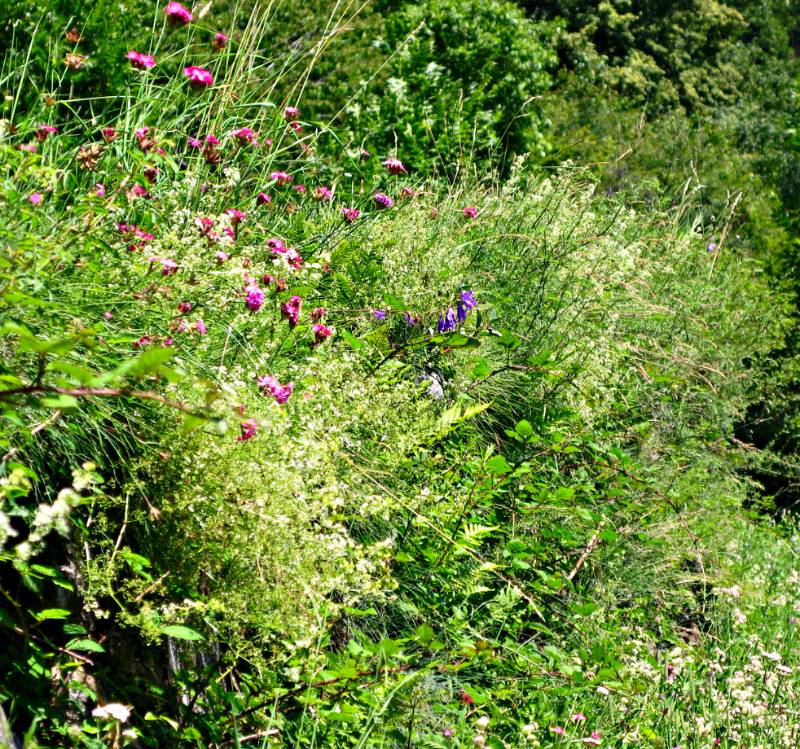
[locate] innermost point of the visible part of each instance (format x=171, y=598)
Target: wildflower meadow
x=396, y=375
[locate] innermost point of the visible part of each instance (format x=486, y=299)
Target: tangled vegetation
x=379, y=376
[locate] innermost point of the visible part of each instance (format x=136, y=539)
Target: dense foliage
x=340, y=408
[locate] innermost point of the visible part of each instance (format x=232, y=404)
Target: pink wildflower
x=294, y=258
x=408, y=192
x=178, y=14
x=471, y=211
x=350, y=214
x=195, y=143
x=108, y=314
x=297, y=127
x=466, y=699
x=263, y=199
x=100, y=190
x=198, y=77
x=184, y=307
x=29, y=147
x=382, y=201
x=280, y=392
x=291, y=114
x=35, y=198
x=201, y=326
x=44, y=131
x=276, y=245
x=244, y=135
x=236, y=216
x=108, y=133
x=222, y=257
x=282, y=178
x=300, y=188
x=558, y=730
x=254, y=298
x=321, y=333
x=150, y=173
x=140, y=60
x=249, y=429
x=363, y=154
x=577, y=717
x=168, y=266
x=593, y=739
x=395, y=166
x=291, y=310
x=317, y=313
x=219, y=42
x=145, y=340
x=322, y=193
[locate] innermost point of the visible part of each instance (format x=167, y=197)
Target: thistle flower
x=198, y=77
x=140, y=61
x=178, y=14
x=395, y=166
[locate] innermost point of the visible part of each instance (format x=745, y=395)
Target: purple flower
x=468, y=299
x=447, y=322
x=379, y=314
x=254, y=298
x=280, y=392
x=461, y=311
x=35, y=198
x=382, y=201
x=711, y=246
x=140, y=60
x=249, y=429
x=198, y=77
x=350, y=214
x=177, y=14
x=410, y=319
x=395, y=166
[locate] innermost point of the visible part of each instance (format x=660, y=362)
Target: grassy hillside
x=321, y=430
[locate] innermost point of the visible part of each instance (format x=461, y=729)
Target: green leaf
x=498, y=466
x=45, y=614
x=90, y=646
x=523, y=428
x=181, y=633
